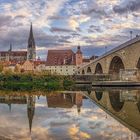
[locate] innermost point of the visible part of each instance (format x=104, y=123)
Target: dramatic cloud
x=127, y=6
x=63, y=24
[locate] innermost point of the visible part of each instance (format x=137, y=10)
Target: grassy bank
x=35, y=82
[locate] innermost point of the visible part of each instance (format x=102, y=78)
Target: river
x=98, y=114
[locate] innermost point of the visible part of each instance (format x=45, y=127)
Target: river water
x=98, y=114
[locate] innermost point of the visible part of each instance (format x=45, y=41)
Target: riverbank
x=35, y=82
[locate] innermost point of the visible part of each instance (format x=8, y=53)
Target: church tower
x=31, y=49
x=79, y=56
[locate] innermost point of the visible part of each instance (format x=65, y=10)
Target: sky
x=96, y=25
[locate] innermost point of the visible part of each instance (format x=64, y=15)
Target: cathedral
x=20, y=56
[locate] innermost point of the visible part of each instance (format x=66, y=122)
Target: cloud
x=127, y=6
x=67, y=23
x=56, y=17
x=93, y=29
x=74, y=22
x=5, y=20
x=56, y=29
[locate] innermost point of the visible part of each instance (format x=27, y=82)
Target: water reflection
x=70, y=115
x=65, y=100
x=99, y=95
x=123, y=105
x=30, y=110
x=115, y=100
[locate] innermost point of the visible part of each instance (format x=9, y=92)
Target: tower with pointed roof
x=79, y=56
x=10, y=49
x=31, y=49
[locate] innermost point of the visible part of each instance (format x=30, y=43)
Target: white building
x=58, y=69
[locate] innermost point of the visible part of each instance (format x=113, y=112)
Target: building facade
x=63, y=62
x=60, y=57
x=62, y=69
x=11, y=55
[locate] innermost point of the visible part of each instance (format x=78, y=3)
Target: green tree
x=1, y=68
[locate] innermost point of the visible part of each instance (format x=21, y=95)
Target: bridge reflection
x=99, y=95
x=123, y=105
x=115, y=100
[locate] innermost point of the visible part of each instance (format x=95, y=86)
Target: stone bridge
x=125, y=56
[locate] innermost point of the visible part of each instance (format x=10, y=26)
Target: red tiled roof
x=3, y=53
x=39, y=62
x=14, y=53
x=19, y=53
x=86, y=60
x=60, y=57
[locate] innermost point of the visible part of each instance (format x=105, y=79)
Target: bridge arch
x=83, y=72
x=115, y=101
x=115, y=65
x=89, y=70
x=138, y=64
x=98, y=69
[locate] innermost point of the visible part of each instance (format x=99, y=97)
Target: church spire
x=31, y=49
x=31, y=33
x=10, y=49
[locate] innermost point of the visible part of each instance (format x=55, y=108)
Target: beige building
x=58, y=69
x=40, y=68
x=61, y=69
x=27, y=66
